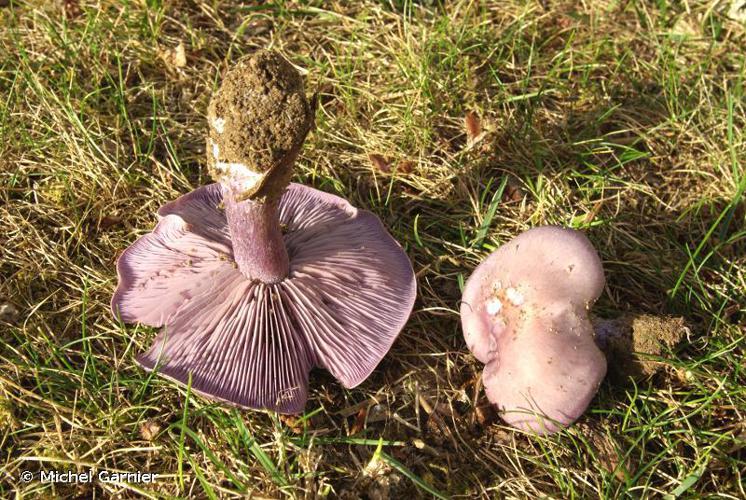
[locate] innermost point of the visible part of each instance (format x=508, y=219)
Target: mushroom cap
x=349, y=293
x=524, y=313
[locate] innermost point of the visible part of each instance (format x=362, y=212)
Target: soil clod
x=632, y=341
x=259, y=119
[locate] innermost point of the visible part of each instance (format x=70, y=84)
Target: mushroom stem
x=259, y=118
x=258, y=246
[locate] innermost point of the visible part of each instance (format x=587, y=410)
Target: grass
x=623, y=119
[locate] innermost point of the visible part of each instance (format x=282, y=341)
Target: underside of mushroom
x=254, y=282
x=250, y=343
x=524, y=314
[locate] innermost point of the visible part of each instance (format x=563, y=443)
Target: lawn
x=460, y=124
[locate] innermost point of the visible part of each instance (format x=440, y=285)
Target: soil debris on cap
x=638, y=338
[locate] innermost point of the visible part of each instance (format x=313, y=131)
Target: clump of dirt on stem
x=631, y=341
x=259, y=117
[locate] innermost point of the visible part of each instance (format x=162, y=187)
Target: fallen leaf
x=485, y=414
x=730, y=311
x=8, y=312
x=473, y=126
x=259, y=27
x=352, y=410
x=594, y=211
x=737, y=10
x=109, y=221
x=564, y=22
x=292, y=422
x=605, y=446
x=434, y=422
x=444, y=409
x=378, y=413
x=739, y=440
x=71, y=8
x=174, y=58
x=513, y=192
x=180, y=56
x=380, y=162
x=359, y=423
x=149, y=429
x=405, y=166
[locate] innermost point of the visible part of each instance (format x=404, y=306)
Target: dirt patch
x=631, y=341
x=605, y=448
x=259, y=117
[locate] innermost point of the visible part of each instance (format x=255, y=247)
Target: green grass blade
x=261, y=456
x=491, y=210
x=411, y=476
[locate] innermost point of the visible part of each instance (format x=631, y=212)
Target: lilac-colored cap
x=349, y=293
x=524, y=313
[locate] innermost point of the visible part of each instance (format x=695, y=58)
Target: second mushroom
x=524, y=314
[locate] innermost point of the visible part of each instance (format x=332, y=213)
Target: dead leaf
x=610, y=458
x=564, y=22
x=434, y=422
x=444, y=409
x=71, y=8
x=730, y=311
x=739, y=440
x=737, y=10
x=359, y=423
x=352, y=410
x=513, y=192
x=109, y=221
x=8, y=312
x=174, y=58
x=180, y=56
x=594, y=211
x=149, y=430
x=473, y=126
x=485, y=414
x=379, y=162
x=405, y=166
x=378, y=413
x=292, y=422
x=259, y=27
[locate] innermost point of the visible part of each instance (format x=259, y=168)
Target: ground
x=460, y=124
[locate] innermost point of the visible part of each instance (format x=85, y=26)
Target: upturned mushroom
x=255, y=281
x=524, y=314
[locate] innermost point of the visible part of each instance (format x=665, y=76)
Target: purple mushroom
x=254, y=281
x=525, y=315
